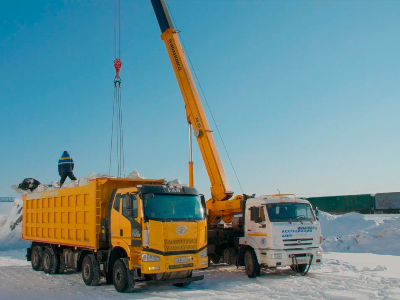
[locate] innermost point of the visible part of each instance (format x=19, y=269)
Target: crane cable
x=117, y=104
x=205, y=98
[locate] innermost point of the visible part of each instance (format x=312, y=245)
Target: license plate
x=182, y=260
x=302, y=260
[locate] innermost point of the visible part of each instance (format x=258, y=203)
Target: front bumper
x=283, y=258
x=169, y=263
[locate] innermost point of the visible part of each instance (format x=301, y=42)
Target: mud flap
x=28, y=254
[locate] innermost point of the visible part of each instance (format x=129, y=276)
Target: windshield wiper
x=304, y=218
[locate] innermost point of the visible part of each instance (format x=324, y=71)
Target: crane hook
x=117, y=66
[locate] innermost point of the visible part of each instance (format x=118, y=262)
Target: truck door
x=256, y=225
x=115, y=218
x=130, y=220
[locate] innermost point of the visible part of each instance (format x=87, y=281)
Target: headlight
x=203, y=253
x=277, y=255
x=150, y=257
x=319, y=253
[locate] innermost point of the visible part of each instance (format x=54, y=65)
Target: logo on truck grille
x=181, y=229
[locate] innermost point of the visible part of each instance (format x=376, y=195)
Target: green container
x=343, y=204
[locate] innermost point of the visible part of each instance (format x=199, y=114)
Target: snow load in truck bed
x=74, y=183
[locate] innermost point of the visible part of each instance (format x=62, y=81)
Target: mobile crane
x=267, y=231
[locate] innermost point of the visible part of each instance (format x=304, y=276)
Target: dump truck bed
x=72, y=216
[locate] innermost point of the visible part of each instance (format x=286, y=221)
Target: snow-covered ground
x=361, y=261
x=341, y=276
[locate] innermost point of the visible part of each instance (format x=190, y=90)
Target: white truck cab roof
x=267, y=199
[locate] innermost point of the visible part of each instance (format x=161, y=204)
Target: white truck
x=272, y=231
x=279, y=231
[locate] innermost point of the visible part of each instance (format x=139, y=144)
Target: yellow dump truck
x=132, y=232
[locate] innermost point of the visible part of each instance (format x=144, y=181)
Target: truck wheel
x=300, y=268
x=36, y=258
x=120, y=276
x=251, y=264
x=90, y=270
x=50, y=262
x=62, y=266
x=184, y=284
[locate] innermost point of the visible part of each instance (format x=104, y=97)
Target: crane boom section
x=220, y=189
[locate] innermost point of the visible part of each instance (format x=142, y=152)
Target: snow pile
x=175, y=182
x=135, y=175
x=73, y=183
x=11, y=231
x=353, y=232
x=3, y=220
x=338, y=225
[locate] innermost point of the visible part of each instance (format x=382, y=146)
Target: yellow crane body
x=220, y=189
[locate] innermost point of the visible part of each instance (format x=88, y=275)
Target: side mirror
x=203, y=204
x=148, y=196
x=316, y=212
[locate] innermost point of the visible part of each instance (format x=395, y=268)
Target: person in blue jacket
x=66, y=167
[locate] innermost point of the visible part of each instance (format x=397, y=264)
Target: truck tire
x=62, y=265
x=90, y=270
x=230, y=256
x=183, y=284
x=50, y=262
x=36, y=258
x=251, y=264
x=120, y=276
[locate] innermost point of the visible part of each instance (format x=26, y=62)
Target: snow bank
x=3, y=220
x=353, y=232
x=11, y=231
x=338, y=225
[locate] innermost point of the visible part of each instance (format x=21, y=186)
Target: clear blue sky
x=305, y=93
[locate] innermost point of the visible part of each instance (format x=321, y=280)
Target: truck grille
x=180, y=244
x=181, y=266
x=297, y=242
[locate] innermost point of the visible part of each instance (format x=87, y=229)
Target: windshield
x=284, y=212
x=163, y=207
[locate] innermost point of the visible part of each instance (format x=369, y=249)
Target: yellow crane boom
x=220, y=189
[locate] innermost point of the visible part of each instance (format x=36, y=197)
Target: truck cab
x=280, y=231
x=161, y=228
